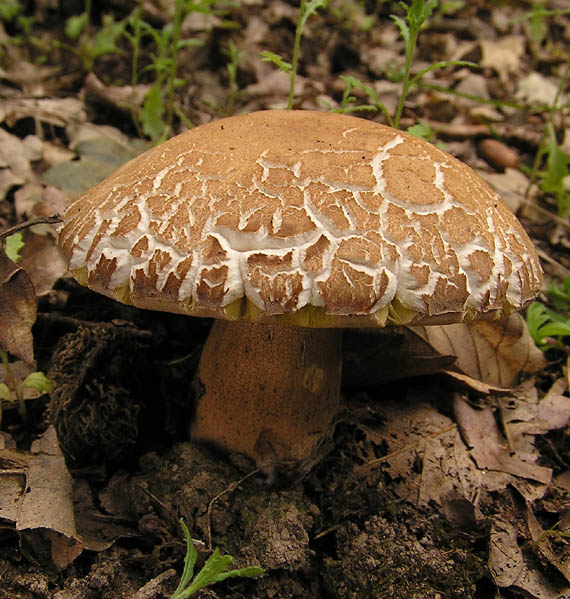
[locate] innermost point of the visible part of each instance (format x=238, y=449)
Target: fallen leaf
x=366, y=362
x=510, y=569
x=505, y=557
x=42, y=260
x=99, y=157
x=511, y=185
x=494, y=352
x=37, y=495
x=488, y=448
x=544, y=546
x=59, y=112
x=18, y=309
x=503, y=55
x=536, y=89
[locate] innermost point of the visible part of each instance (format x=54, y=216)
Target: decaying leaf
x=42, y=261
x=55, y=111
x=366, y=362
x=510, y=569
x=485, y=355
x=18, y=309
x=434, y=459
x=494, y=352
x=37, y=496
x=489, y=449
x=544, y=546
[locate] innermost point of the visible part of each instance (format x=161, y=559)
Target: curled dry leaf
x=494, y=352
x=37, y=496
x=18, y=309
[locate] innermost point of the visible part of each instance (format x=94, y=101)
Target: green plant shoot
x=305, y=11
x=547, y=326
x=13, y=388
x=214, y=570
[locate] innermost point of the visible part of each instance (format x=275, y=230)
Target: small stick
x=40, y=220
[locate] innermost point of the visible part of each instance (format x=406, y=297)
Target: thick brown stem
x=271, y=392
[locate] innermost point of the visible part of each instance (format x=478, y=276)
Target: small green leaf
x=105, y=41
x=214, y=570
x=152, y=112
x=422, y=131
x=5, y=394
x=9, y=10
x=13, y=245
x=404, y=29
x=285, y=66
x=39, y=382
x=311, y=8
x=74, y=26
x=556, y=167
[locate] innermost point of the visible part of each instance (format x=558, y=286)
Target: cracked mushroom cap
x=311, y=218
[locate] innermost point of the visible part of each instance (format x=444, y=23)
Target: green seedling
x=160, y=107
x=13, y=389
x=554, y=179
x=305, y=11
x=89, y=48
x=536, y=19
x=548, y=327
x=417, y=12
x=214, y=570
x=234, y=57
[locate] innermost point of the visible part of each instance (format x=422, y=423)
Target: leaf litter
x=457, y=443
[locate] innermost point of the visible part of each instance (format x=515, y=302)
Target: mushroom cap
x=312, y=218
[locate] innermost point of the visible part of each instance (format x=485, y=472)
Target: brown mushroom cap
x=317, y=219
x=305, y=218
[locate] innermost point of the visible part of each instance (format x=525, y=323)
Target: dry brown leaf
x=509, y=568
x=502, y=55
x=544, y=546
x=505, y=557
x=511, y=185
x=488, y=448
x=37, y=496
x=494, y=352
x=42, y=260
x=55, y=111
x=18, y=309
x=431, y=462
x=532, y=416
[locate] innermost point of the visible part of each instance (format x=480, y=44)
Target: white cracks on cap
x=296, y=221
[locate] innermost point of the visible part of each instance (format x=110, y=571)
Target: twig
x=544, y=256
x=40, y=220
x=544, y=211
x=152, y=587
x=230, y=488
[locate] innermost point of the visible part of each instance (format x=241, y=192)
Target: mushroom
x=286, y=226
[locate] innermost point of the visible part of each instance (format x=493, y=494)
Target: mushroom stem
x=271, y=392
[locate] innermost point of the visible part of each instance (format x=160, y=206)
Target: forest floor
x=448, y=475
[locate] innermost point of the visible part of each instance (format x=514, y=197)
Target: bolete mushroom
x=285, y=226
